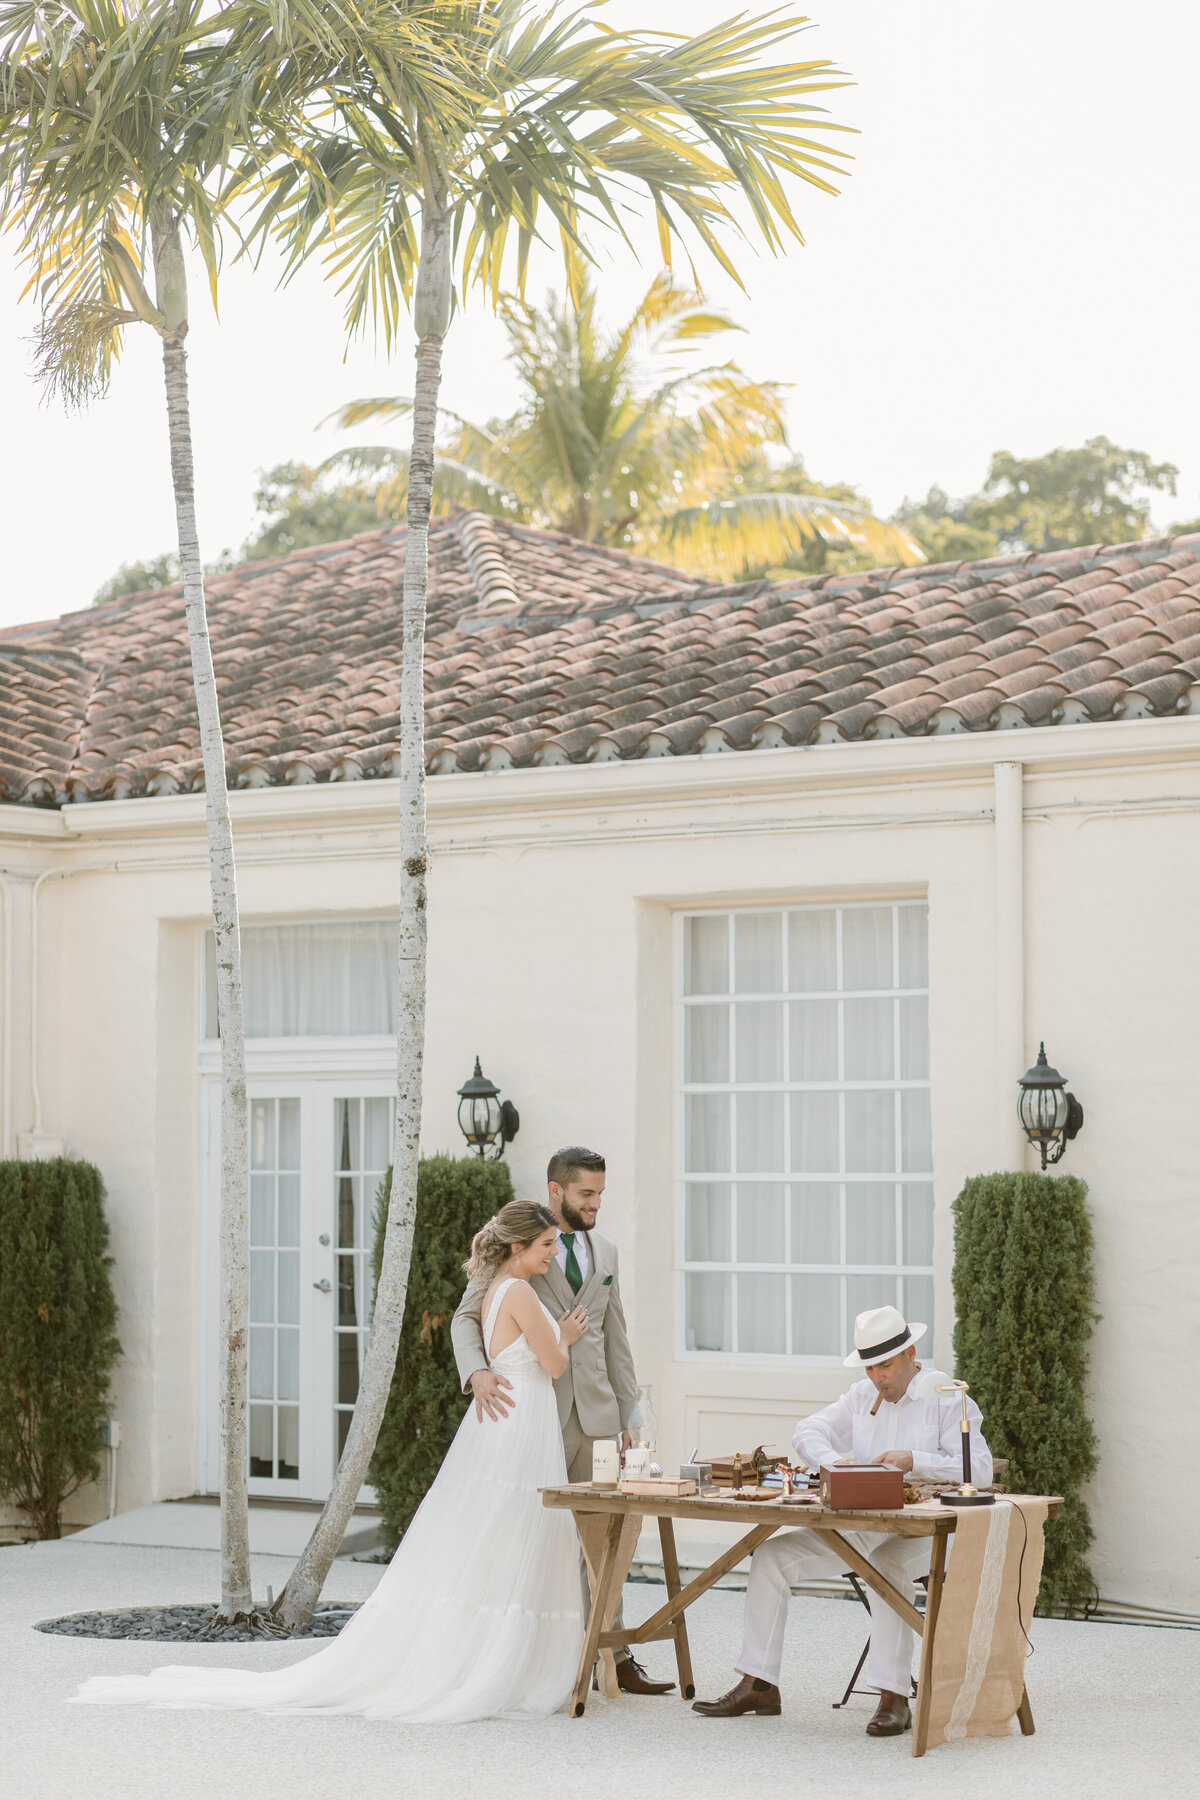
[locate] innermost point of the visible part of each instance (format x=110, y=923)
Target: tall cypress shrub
x=455, y=1196
x=57, y=1344
x=1023, y=1298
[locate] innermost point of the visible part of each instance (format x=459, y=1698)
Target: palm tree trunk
x=236, y=1598
x=431, y=307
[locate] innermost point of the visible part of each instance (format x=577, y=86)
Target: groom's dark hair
x=565, y=1164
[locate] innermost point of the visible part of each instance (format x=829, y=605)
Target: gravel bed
x=191, y=1625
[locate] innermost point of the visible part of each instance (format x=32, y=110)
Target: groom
x=597, y=1390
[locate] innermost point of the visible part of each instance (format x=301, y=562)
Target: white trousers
x=793, y=1555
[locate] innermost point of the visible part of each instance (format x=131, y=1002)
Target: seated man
x=893, y=1416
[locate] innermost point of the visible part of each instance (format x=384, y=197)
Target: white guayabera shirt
x=924, y=1421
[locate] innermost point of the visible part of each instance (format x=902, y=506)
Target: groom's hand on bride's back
x=493, y=1395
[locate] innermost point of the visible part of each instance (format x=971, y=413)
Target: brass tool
x=968, y=1494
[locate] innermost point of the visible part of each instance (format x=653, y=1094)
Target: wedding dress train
x=478, y=1614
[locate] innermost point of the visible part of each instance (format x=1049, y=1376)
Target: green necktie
x=574, y=1272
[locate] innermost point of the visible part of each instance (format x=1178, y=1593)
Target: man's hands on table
x=493, y=1395
x=897, y=1459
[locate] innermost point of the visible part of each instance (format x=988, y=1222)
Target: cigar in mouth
x=878, y=1403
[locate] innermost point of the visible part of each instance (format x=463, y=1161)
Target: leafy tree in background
x=1095, y=494
x=455, y=1197
x=301, y=507
x=623, y=436
x=139, y=578
x=57, y=1339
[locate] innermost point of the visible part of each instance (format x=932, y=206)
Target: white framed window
x=804, y=1154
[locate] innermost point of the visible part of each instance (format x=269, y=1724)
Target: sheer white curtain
x=326, y=980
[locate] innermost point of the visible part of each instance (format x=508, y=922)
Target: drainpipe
x=1011, y=1060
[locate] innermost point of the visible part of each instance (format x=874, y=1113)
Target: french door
x=319, y=1150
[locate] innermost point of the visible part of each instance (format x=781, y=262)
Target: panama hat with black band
x=880, y=1334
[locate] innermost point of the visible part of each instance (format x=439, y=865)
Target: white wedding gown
x=478, y=1615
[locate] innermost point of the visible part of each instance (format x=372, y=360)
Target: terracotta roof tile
x=543, y=649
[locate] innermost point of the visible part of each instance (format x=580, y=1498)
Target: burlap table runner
x=979, y=1648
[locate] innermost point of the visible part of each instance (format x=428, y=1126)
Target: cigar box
x=861, y=1487
x=658, y=1487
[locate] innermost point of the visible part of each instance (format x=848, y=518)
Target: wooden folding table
x=610, y=1523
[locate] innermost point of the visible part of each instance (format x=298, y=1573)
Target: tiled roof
x=541, y=650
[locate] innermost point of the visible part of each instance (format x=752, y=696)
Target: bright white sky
x=1012, y=264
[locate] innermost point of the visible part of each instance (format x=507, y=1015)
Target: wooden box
x=654, y=1487
x=862, y=1487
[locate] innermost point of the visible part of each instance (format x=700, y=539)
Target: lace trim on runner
x=983, y=1620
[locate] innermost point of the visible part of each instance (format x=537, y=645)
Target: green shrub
x=57, y=1347
x=1023, y=1298
x=455, y=1196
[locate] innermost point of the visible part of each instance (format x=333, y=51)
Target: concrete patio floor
x=1114, y=1707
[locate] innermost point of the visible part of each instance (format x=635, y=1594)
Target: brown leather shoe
x=748, y=1696
x=633, y=1679
x=893, y=1716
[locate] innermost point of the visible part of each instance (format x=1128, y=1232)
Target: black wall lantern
x=1048, y=1113
x=486, y=1121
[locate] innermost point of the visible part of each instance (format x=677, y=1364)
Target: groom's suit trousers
x=795, y=1555
x=577, y=1447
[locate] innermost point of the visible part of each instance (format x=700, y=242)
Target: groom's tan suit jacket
x=599, y=1380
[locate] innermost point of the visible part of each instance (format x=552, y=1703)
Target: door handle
x=322, y=1286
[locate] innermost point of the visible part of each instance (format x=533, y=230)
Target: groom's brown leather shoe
x=749, y=1696
x=892, y=1716
x=633, y=1679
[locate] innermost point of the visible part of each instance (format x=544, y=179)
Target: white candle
x=637, y=1462
x=606, y=1463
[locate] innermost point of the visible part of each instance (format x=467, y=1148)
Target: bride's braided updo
x=514, y=1227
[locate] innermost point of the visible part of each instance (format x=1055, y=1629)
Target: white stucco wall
x=552, y=898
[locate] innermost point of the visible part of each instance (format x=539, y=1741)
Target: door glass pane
x=867, y=947
x=869, y=1051
x=760, y=1222
x=709, y=1236
x=812, y=952
x=274, y=1289
x=758, y=952
x=709, y=1312
x=817, y=1315
x=870, y=1222
x=706, y=954
x=760, y=1132
x=814, y=1040
x=758, y=1035
x=361, y=1148
x=762, y=1316
x=706, y=1043
x=328, y=980
x=816, y=1229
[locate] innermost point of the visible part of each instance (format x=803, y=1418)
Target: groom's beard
x=575, y=1221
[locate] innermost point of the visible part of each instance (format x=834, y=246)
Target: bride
x=478, y=1614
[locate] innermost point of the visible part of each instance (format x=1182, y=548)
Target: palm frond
x=727, y=538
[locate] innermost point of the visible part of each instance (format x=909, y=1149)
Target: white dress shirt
x=923, y=1421
x=581, y=1255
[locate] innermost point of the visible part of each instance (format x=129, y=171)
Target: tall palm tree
x=563, y=123
x=105, y=177
x=616, y=443
x=118, y=121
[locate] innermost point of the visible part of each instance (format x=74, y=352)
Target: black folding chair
x=861, y=1594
